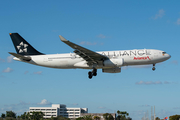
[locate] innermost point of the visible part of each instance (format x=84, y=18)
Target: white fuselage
x=72, y=61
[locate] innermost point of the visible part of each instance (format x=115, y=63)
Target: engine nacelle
x=112, y=70
x=113, y=62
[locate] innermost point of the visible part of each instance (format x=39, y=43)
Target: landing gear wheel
x=95, y=73
x=90, y=74
x=153, y=67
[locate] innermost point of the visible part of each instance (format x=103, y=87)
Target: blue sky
x=99, y=26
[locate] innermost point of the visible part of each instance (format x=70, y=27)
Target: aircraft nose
x=168, y=56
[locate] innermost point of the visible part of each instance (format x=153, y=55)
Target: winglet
x=62, y=38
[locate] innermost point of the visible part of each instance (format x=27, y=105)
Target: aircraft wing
x=20, y=56
x=88, y=55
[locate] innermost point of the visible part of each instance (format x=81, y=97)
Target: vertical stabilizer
x=22, y=46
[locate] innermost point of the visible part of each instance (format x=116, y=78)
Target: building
x=59, y=109
x=98, y=114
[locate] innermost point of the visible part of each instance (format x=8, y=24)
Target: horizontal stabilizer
x=20, y=56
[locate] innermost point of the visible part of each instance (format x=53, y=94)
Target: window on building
x=76, y=112
x=71, y=113
x=53, y=109
x=71, y=110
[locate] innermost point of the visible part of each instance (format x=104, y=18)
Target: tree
x=3, y=115
x=80, y=118
x=122, y=115
x=88, y=117
x=96, y=117
x=59, y=118
x=157, y=118
x=36, y=115
x=25, y=115
x=174, y=117
x=10, y=114
x=108, y=116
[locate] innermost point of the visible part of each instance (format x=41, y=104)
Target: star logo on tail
x=22, y=47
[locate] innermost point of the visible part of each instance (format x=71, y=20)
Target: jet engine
x=113, y=63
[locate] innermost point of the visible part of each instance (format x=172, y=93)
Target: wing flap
x=86, y=54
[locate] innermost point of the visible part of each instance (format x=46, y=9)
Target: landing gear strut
x=92, y=73
x=153, y=67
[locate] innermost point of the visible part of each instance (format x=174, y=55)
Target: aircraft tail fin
x=22, y=46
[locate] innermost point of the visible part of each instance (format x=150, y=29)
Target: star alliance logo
x=22, y=47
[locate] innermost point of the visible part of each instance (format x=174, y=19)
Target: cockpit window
x=163, y=53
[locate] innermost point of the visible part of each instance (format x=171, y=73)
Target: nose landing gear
x=92, y=73
x=153, y=67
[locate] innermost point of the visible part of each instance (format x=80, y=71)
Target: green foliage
x=157, y=118
x=10, y=114
x=96, y=118
x=108, y=116
x=86, y=117
x=25, y=115
x=36, y=115
x=59, y=118
x=174, y=117
x=3, y=115
x=122, y=115
x=80, y=118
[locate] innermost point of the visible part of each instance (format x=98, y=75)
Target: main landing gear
x=92, y=73
x=153, y=67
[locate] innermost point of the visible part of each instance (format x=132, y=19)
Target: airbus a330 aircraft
x=108, y=61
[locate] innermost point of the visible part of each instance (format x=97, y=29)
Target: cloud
x=2, y=60
x=144, y=105
x=75, y=104
x=38, y=73
x=88, y=43
x=101, y=36
x=9, y=59
x=101, y=107
x=175, y=62
x=178, y=21
x=44, y=102
x=18, y=108
x=153, y=83
x=148, y=83
x=26, y=72
x=176, y=108
x=21, y=103
x=7, y=70
x=160, y=14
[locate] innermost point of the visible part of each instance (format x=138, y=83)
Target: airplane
x=82, y=58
